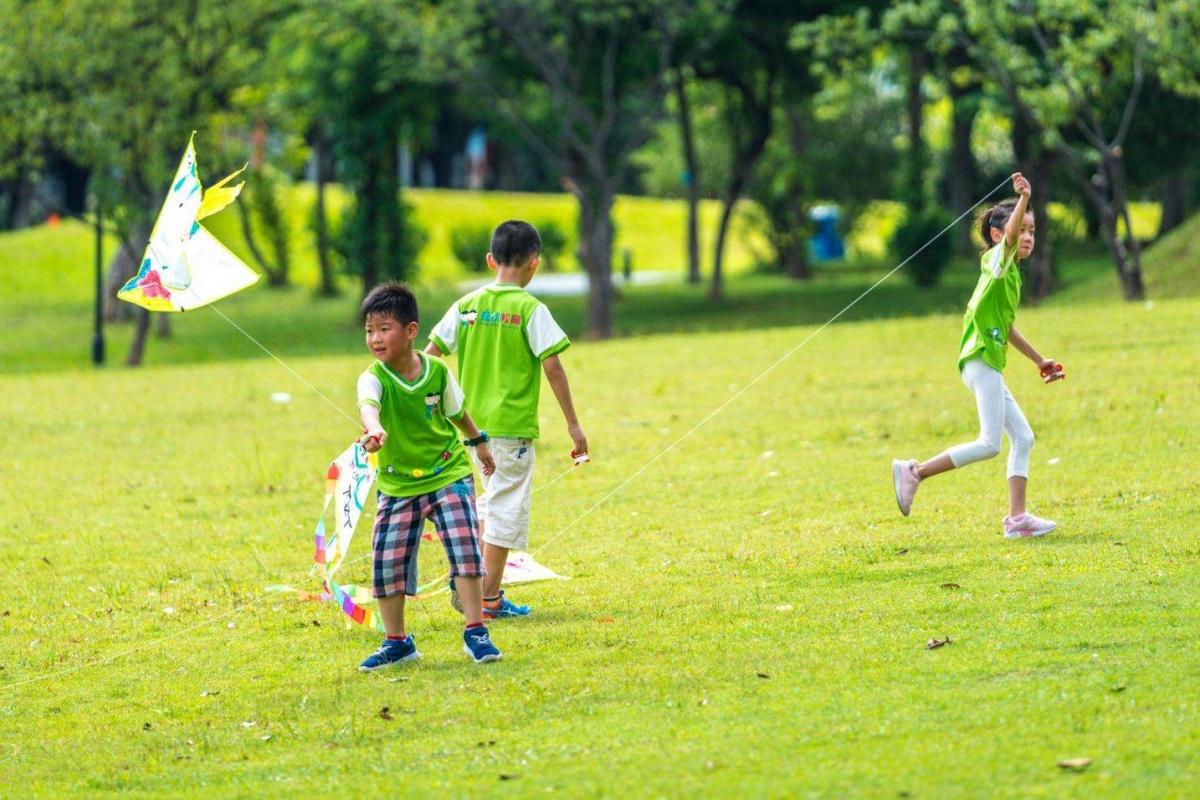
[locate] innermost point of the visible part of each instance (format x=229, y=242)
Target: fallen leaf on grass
x=266, y=737
x=902, y=551
x=764, y=675
x=146, y=726
x=606, y=620
x=45, y=559
x=383, y=713
x=249, y=724
x=934, y=644
x=1117, y=689
x=397, y=680
x=951, y=586
x=1076, y=764
x=210, y=694
x=504, y=777
x=1118, y=544
x=316, y=623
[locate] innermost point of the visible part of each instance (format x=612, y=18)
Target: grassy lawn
x=749, y=614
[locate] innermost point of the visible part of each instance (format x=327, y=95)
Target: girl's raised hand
x=1021, y=185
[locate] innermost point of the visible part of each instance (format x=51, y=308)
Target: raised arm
x=1012, y=229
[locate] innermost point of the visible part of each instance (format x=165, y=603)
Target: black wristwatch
x=478, y=440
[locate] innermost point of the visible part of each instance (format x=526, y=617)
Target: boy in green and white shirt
x=412, y=410
x=505, y=338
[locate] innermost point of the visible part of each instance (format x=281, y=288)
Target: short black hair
x=515, y=242
x=391, y=299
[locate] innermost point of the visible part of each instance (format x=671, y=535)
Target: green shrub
x=470, y=243
x=919, y=230
x=554, y=243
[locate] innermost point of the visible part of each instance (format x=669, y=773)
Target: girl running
x=1007, y=230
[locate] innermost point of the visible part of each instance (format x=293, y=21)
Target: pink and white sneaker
x=1027, y=525
x=905, y=478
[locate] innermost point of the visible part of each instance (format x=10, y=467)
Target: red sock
x=475, y=625
x=396, y=638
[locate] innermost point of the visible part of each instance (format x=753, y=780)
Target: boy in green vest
x=410, y=405
x=505, y=338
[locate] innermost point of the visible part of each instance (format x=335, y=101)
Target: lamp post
x=98, y=333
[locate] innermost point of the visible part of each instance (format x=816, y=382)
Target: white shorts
x=503, y=503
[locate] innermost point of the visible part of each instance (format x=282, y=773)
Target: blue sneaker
x=392, y=651
x=478, y=645
x=503, y=607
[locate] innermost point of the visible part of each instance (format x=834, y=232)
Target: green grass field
x=747, y=614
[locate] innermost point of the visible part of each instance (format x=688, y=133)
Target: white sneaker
x=905, y=479
x=1027, y=525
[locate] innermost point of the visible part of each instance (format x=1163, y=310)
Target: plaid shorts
x=397, y=536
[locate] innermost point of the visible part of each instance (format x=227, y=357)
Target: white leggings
x=998, y=411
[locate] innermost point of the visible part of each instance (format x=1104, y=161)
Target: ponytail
x=996, y=217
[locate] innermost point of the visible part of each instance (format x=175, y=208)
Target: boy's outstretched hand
x=484, y=454
x=578, y=440
x=373, y=439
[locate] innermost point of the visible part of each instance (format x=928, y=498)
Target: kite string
x=765, y=372
x=157, y=641
x=339, y=409
x=297, y=375
x=574, y=522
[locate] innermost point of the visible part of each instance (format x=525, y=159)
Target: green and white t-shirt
x=992, y=309
x=502, y=334
x=422, y=452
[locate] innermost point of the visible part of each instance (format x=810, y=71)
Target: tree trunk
x=124, y=265
x=365, y=203
x=162, y=325
x=914, y=168
x=795, y=253
x=692, y=180
x=596, y=231
x=1042, y=280
x=1174, y=203
x=1128, y=252
x=716, y=288
x=328, y=287
x=963, y=176
x=274, y=278
x=1035, y=163
x=138, y=348
x=755, y=114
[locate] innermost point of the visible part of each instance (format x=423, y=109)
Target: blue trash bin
x=826, y=244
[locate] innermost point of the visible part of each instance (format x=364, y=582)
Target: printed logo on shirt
x=469, y=319
x=431, y=403
x=994, y=335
